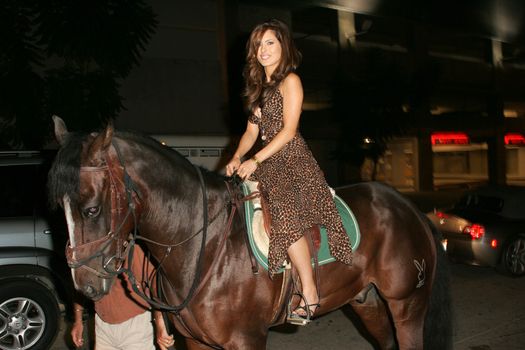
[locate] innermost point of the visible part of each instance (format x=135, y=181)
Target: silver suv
x=34, y=279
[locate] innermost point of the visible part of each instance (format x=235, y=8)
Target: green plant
x=67, y=58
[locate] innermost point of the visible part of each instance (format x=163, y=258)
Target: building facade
x=457, y=71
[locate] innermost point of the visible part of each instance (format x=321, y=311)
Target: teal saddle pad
x=324, y=256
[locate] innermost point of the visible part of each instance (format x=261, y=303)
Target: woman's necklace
x=263, y=134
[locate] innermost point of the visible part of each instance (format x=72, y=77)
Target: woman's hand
x=258, y=112
x=233, y=166
x=76, y=334
x=247, y=168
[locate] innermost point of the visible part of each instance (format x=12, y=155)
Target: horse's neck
x=173, y=209
x=177, y=219
x=172, y=192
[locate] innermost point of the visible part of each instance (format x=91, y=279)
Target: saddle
x=261, y=221
x=258, y=222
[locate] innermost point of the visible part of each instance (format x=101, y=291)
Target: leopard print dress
x=296, y=191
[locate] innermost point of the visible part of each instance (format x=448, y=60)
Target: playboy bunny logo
x=421, y=274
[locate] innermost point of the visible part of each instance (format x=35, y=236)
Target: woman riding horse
x=111, y=184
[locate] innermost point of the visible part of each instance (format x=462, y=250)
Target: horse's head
x=100, y=203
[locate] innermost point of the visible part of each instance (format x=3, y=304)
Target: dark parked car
x=486, y=227
x=34, y=279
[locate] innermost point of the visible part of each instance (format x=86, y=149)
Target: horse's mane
x=64, y=175
x=166, y=151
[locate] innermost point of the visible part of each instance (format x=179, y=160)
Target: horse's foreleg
x=373, y=313
x=195, y=345
x=244, y=341
x=240, y=343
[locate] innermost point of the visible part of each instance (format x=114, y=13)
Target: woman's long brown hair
x=257, y=89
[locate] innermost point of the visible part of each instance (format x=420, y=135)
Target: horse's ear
x=102, y=141
x=60, y=130
x=108, y=134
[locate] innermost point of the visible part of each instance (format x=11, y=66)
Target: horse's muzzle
x=95, y=293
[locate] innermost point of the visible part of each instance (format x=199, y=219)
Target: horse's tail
x=438, y=322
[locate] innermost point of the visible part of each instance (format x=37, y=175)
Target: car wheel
x=29, y=315
x=513, y=258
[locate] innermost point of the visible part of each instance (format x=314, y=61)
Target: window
x=483, y=203
x=17, y=184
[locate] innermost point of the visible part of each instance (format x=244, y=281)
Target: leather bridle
x=125, y=203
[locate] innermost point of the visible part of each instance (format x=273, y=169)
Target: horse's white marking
x=421, y=272
x=71, y=231
x=74, y=279
x=69, y=219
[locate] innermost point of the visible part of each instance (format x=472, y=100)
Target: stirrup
x=299, y=320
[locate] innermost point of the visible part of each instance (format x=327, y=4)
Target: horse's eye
x=92, y=212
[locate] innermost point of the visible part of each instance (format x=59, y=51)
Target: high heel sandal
x=305, y=314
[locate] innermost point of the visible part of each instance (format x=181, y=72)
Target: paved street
x=489, y=315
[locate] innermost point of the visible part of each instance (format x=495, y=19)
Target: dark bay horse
x=111, y=183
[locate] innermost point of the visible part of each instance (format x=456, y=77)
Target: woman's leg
x=299, y=253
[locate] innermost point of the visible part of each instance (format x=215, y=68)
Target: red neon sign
x=449, y=138
x=514, y=139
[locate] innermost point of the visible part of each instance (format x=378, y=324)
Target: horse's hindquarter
x=396, y=252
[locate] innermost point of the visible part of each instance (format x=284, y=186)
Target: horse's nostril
x=88, y=290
